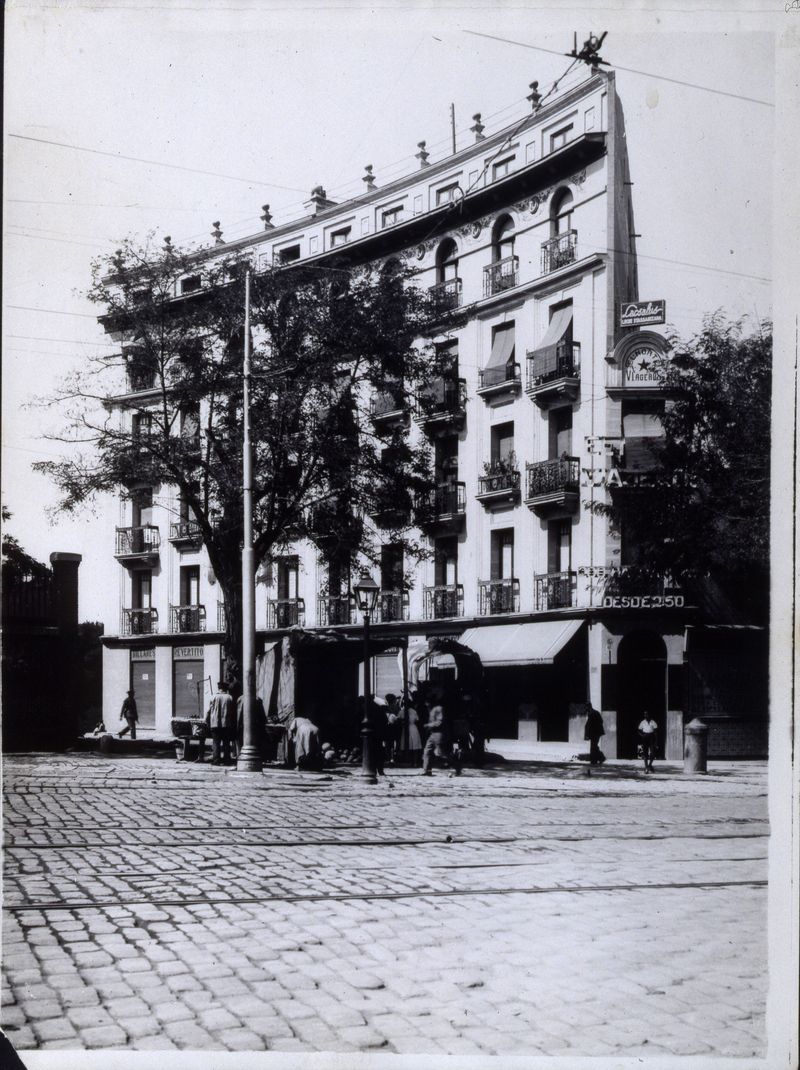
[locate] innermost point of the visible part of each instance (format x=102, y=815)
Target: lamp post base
x=249, y=761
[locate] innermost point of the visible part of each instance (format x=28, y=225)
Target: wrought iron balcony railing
x=392, y=605
x=501, y=275
x=549, y=477
x=286, y=613
x=336, y=609
x=559, y=251
x=441, y=400
x=498, y=596
x=446, y=295
x=443, y=601
x=187, y=618
x=140, y=379
x=499, y=479
x=445, y=500
x=387, y=401
x=141, y=541
x=185, y=531
x=139, y=622
x=504, y=374
x=564, y=363
x=555, y=590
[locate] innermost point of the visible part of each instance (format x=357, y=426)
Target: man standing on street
x=435, y=744
x=130, y=715
x=593, y=730
x=221, y=720
x=648, y=729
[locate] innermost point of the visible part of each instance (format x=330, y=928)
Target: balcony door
x=445, y=562
x=502, y=563
x=142, y=500
x=142, y=590
x=288, y=578
x=559, y=546
x=560, y=433
x=502, y=443
x=190, y=585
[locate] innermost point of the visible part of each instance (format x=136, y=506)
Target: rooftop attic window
x=340, y=237
x=287, y=255
x=446, y=194
x=391, y=216
x=191, y=284
x=559, y=138
x=502, y=168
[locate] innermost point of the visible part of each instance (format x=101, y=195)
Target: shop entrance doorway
x=642, y=676
x=143, y=683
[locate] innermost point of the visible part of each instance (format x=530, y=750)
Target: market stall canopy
x=535, y=643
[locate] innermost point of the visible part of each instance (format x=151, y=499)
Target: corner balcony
x=139, y=622
x=555, y=378
x=501, y=275
x=559, y=251
x=498, y=596
x=187, y=618
x=336, y=609
x=392, y=606
x=502, y=381
x=286, y=613
x=446, y=296
x=138, y=547
x=555, y=590
x=444, y=601
x=388, y=408
x=551, y=487
x=185, y=535
x=140, y=380
x=443, y=510
x=442, y=406
x=499, y=487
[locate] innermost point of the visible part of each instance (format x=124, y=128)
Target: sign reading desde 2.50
x=641, y=313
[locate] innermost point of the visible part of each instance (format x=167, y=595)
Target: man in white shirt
x=648, y=730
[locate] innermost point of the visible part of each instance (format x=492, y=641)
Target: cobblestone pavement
x=517, y=910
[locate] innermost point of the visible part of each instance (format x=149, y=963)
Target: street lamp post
x=366, y=592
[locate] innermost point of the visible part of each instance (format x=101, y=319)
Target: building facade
x=547, y=412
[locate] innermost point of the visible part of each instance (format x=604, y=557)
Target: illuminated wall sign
x=643, y=367
x=641, y=313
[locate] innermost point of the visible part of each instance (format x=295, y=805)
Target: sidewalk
x=527, y=909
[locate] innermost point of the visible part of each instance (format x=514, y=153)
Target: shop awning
x=545, y=359
x=536, y=643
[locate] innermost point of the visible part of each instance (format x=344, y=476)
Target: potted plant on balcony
x=501, y=473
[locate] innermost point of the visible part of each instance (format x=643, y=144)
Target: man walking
x=436, y=741
x=221, y=720
x=648, y=729
x=593, y=730
x=130, y=715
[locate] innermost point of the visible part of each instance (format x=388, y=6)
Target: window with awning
x=545, y=356
x=502, y=346
x=642, y=429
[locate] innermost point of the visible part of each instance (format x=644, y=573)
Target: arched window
x=503, y=238
x=446, y=261
x=561, y=213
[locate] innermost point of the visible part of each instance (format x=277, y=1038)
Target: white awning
x=545, y=355
x=502, y=346
x=536, y=643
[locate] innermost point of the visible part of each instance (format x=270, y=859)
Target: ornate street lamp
x=367, y=592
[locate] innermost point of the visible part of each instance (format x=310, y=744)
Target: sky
x=239, y=105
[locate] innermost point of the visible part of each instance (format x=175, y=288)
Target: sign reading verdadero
x=641, y=313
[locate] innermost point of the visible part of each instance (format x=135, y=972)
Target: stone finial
x=534, y=96
x=422, y=155
x=478, y=127
x=369, y=178
x=266, y=216
x=318, y=201
x=216, y=233
x=168, y=250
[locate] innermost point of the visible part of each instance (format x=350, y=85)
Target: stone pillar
x=65, y=586
x=695, y=747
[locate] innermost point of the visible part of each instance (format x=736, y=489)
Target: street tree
x=704, y=512
x=326, y=340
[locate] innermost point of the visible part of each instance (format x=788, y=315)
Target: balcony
x=388, y=407
x=446, y=296
x=336, y=609
x=138, y=547
x=552, y=487
x=442, y=406
x=499, y=487
x=140, y=379
x=444, y=601
x=139, y=622
x=286, y=613
x=392, y=606
x=499, y=381
x=187, y=618
x=185, y=534
x=498, y=596
x=555, y=590
x=444, y=509
x=555, y=378
x=502, y=275
x=559, y=251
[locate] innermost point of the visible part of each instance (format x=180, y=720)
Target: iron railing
x=139, y=621
x=29, y=598
x=499, y=376
x=286, y=613
x=187, y=618
x=563, y=363
x=336, y=609
x=446, y=295
x=385, y=401
x=501, y=275
x=549, y=477
x=442, y=397
x=499, y=479
x=185, y=531
x=132, y=542
x=392, y=605
x=555, y=590
x=559, y=251
x=443, y=601
x=498, y=596
x=446, y=500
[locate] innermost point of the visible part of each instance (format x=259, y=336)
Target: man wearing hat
x=129, y=714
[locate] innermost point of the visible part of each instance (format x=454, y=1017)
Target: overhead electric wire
x=55, y=311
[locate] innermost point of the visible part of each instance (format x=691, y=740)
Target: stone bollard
x=106, y=743
x=695, y=747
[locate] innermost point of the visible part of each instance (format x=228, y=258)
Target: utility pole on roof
x=589, y=53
